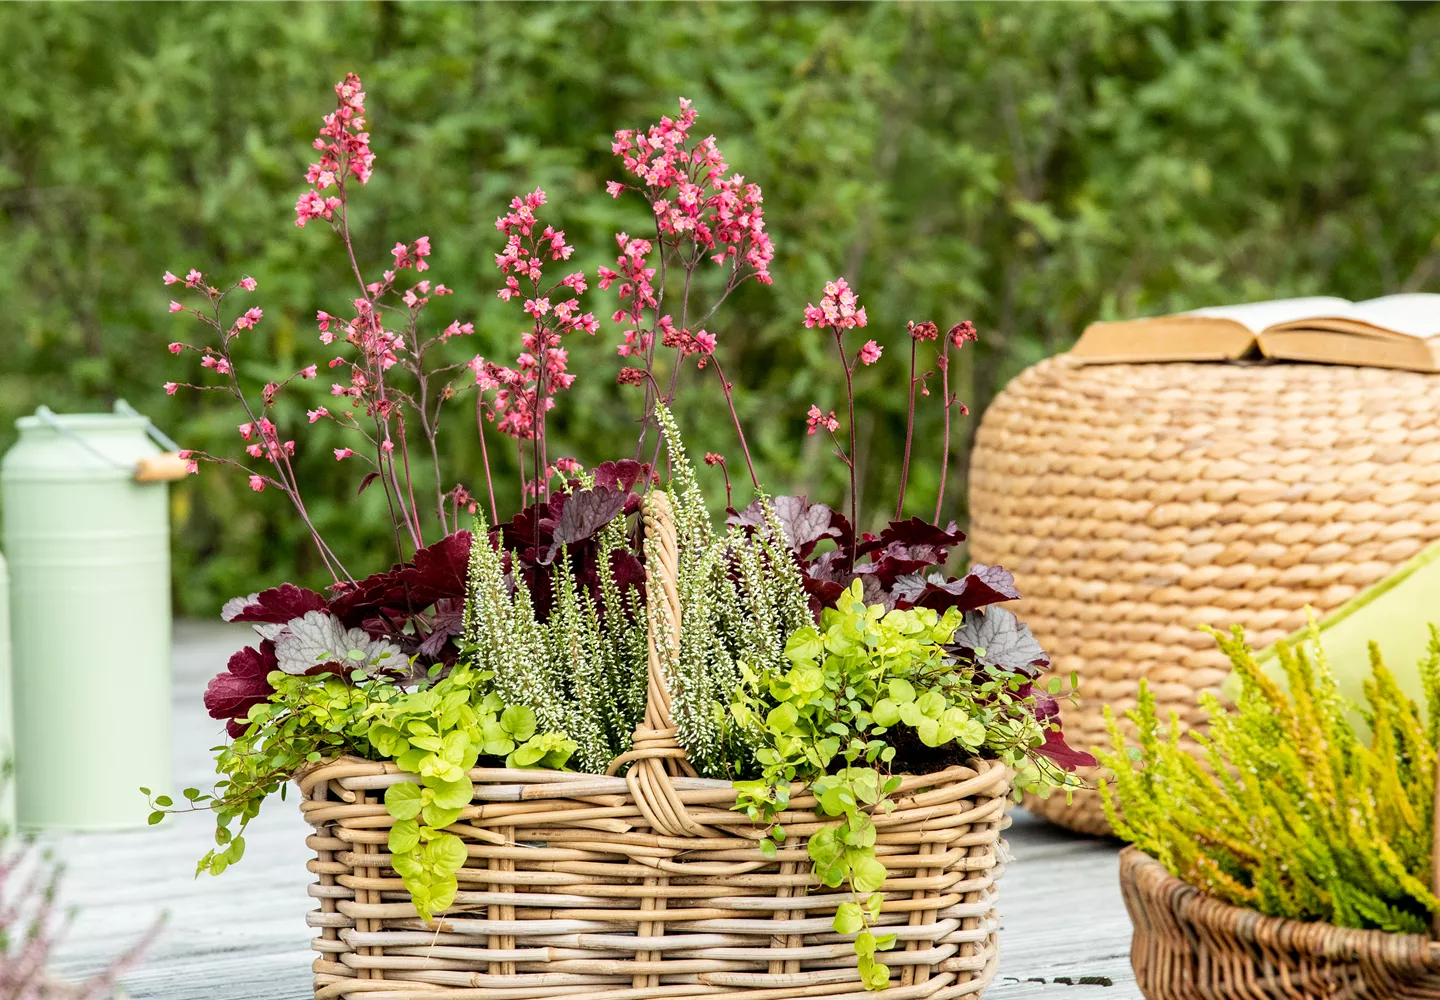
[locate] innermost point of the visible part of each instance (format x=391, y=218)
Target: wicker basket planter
x=1134, y=503
x=647, y=886
x=1189, y=946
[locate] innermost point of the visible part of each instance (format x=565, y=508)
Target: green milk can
x=7, y=731
x=88, y=544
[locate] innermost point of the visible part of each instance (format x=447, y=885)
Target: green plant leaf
x=403, y=800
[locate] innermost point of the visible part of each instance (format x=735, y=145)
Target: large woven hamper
x=1135, y=503
x=647, y=886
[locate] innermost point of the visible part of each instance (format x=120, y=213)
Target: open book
x=1397, y=331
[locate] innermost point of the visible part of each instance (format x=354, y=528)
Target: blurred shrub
x=1030, y=167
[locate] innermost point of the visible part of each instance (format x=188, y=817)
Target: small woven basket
x=1135, y=503
x=1190, y=946
x=647, y=886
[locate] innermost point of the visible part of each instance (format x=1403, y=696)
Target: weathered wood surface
x=242, y=936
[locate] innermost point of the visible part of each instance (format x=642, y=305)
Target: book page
x=1256, y=316
x=1416, y=314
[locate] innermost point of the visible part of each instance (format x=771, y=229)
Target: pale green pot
x=7, y=730
x=89, y=556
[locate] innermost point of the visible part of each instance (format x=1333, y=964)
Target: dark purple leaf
x=370, y=477
x=981, y=586
x=242, y=684
x=622, y=475
x=628, y=570
x=911, y=533
x=585, y=513
x=277, y=605
x=447, y=623
x=1062, y=753
x=994, y=637
x=804, y=523
x=437, y=571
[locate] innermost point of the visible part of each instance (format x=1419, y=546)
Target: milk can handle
x=48, y=418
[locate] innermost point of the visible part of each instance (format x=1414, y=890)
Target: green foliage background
x=1027, y=166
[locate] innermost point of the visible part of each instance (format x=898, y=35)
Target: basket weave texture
x=1189, y=946
x=1134, y=503
x=648, y=886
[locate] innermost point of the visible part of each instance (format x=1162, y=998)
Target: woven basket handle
x=656, y=755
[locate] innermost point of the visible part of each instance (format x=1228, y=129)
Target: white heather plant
x=581, y=669
x=741, y=599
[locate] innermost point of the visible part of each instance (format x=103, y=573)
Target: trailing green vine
x=435, y=732
x=864, y=681
x=438, y=733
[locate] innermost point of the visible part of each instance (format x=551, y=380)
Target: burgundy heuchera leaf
x=241, y=685
x=276, y=605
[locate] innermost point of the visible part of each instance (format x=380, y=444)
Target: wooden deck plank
x=242, y=936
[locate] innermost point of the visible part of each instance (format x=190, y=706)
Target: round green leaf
x=403, y=800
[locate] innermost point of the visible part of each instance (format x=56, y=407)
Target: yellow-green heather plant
x=1295, y=816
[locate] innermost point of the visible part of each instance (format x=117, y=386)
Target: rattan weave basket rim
x=1191, y=946
x=595, y=887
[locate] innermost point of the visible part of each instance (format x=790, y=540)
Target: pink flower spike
x=170, y=279
x=257, y=483
x=870, y=353
x=247, y=283
x=170, y=388
x=175, y=307
x=343, y=453
x=317, y=413
x=816, y=419
x=961, y=332
x=176, y=347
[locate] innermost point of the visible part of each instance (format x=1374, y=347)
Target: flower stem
x=944, y=395
x=909, y=436
x=485, y=456
x=850, y=404
x=739, y=431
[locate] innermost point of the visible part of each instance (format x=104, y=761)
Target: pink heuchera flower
x=961, y=332
x=569, y=466
x=317, y=413
x=175, y=347
x=170, y=388
x=838, y=309
x=343, y=453
x=257, y=483
x=344, y=150
x=247, y=283
x=525, y=393
x=714, y=458
x=870, y=353
x=251, y=317
x=309, y=371
x=690, y=194
x=194, y=279
x=923, y=331
x=175, y=307
x=817, y=419
x=170, y=279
